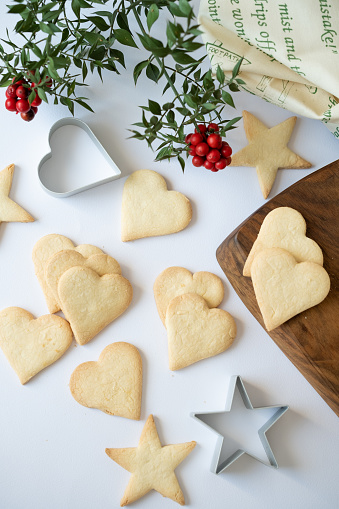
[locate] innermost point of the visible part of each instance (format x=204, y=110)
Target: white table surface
x=51, y=448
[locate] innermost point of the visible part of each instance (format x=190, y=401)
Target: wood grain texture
x=311, y=339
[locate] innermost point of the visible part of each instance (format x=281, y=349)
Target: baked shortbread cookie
x=90, y=302
x=113, y=384
x=45, y=248
x=285, y=288
x=149, y=209
x=267, y=150
x=63, y=260
x=285, y=227
x=176, y=281
x=31, y=345
x=196, y=332
x=9, y=210
x=151, y=465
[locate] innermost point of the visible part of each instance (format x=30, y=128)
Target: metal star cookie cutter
x=218, y=466
x=116, y=173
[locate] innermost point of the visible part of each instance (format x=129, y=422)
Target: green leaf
x=220, y=75
x=163, y=153
x=190, y=101
x=84, y=71
x=124, y=37
x=117, y=56
x=231, y=122
x=170, y=117
x=152, y=15
x=97, y=53
x=154, y=107
x=209, y=106
x=184, y=111
x=99, y=22
x=185, y=7
x=227, y=98
x=182, y=163
x=152, y=72
x=138, y=69
x=233, y=87
x=83, y=104
x=175, y=10
x=182, y=57
x=42, y=94
x=16, y=9
x=122, y=21
x=92, y=37
x=236, y=68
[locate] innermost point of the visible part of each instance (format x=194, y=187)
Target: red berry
x=192, y=151
x=22, y=92
x=196, y=138
x=213, y=127
x=221, y=164
x=226, y=150
x=214, y=140
x=208, y=165
x=11, y=91
x=22, y=106
x=34, y=109
x=36, y=101
x=228, y=160
x=213, y=156
x=201, y=128
x=202, y=149
x=17, y=83
x=28, y=115
x=188, y=138
x=214, y=169
x=10, y=104
x=198, y=161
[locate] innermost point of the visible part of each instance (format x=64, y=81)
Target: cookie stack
x=187, y=305
x=286, y=268
x=82, y=282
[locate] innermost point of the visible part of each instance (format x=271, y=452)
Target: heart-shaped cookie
x=284, y=288
x=113, y=384
x=64, y=260
x=31, y=345
x=196, y=332
x=285, y=227
x=91, y=302
x=45, y=248
x=176, y=281
x=149, y=209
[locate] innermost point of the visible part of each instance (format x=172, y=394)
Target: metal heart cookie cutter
x=218, y=464
x=69, y=121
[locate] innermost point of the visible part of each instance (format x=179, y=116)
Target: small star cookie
x=267, y=150
x=151, y=465
x=9, y=210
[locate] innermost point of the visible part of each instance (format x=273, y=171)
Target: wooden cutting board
x=311, y=339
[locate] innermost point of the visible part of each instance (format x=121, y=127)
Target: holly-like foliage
x=65, y=40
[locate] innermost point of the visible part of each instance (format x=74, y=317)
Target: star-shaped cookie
x=151, y=465
x=267, y=150
x=9, y=210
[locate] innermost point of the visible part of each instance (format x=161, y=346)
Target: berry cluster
x=17, y=98
x=208, y=149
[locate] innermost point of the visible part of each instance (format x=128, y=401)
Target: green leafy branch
x=65, y=40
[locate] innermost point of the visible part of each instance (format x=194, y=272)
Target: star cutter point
x=218, y=465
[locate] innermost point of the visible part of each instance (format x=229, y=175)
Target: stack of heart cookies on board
x=286, y=268
x=83, y=282
x=187, y=305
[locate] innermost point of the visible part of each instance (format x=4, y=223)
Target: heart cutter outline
x=82, y=125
